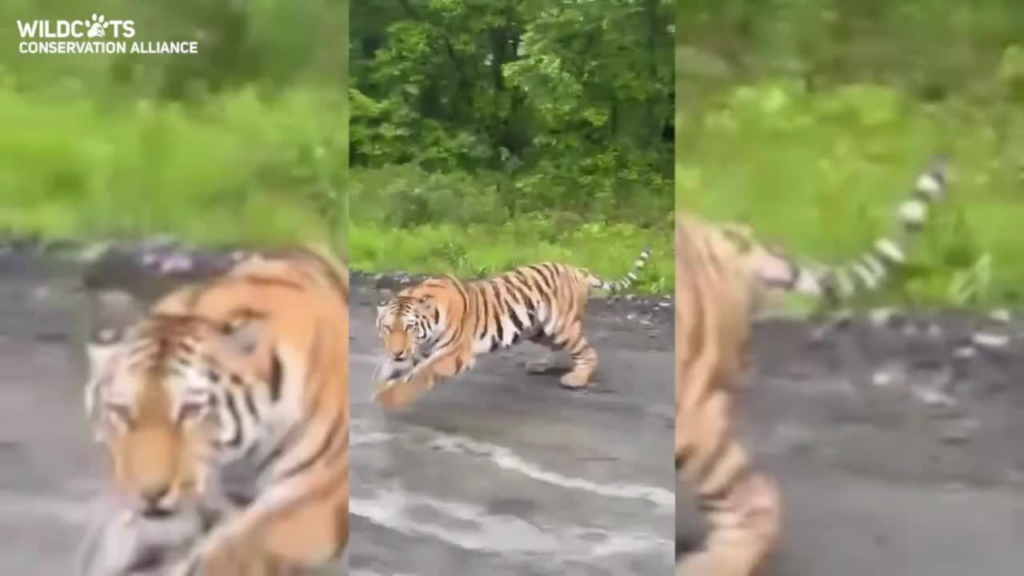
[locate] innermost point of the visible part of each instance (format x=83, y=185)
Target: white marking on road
x=369, y=438
x=471, y=527
x=507, y=459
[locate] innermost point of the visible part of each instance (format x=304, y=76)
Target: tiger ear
x=245, y=333
x=113, y=314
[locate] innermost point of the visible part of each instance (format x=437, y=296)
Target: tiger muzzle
x=153, y=501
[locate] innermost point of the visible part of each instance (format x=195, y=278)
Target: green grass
x=475, y=251
x=821, y=174
x=237, y=169
x=403, y=218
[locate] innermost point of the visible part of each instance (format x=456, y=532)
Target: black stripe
x=499, y=330
x=524, y=279
x=276, y=378
x=483, y=314
x=522, y=291
x=250, y=403
x=542, y=277
x=452, y=337
x=516, y=322
x=236, y=417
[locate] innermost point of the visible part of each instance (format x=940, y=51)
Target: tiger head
x=403, y=324
x=410, y=320
x=192, y=381
x=158, y=392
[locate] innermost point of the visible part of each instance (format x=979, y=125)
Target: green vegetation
x=245, y=141
x=809, y=120
x=490, y=134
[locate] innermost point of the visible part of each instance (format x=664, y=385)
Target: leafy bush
x=823, y=171
x=236, y=168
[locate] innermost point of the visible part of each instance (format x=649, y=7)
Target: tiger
x=722, y=273
x=438, y=327
x=870, y=271
x=230, y=397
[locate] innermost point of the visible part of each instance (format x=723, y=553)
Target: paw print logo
x=98, y=27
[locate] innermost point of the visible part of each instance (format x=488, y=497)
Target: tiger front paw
x=397, y=393
x=388, y=369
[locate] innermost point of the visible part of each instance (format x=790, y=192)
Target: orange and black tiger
x=720, y=272
x=230, y=397
x=438, y=327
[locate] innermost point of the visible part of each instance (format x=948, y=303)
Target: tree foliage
x=556, y=104
x=799, y=115
x=252, y=126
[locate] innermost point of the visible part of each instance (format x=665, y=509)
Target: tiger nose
x=151, y=498
x=399, y=356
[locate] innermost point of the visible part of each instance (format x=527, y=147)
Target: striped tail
x=624, y=282
x=874, y=267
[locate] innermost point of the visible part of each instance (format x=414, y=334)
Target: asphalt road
x=50, y=472
x=501, y=472
x=901, y=475
x=497, y=472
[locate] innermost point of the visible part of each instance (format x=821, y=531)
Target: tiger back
x=230, y=397
x=438, y=327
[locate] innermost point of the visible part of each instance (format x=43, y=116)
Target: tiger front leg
x=401, y=391
x=388, y=369
x=397, y=393
x=743, y=532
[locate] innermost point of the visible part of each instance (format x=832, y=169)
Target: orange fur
x=714, y=299
x=248, y=369
x=439, y=327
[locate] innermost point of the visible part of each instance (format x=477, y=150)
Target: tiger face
x=405, y=325
x=164, y=400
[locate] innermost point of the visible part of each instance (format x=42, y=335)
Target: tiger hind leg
x=743, y=530
x=742, y=508
x=571, y=340
x=584, y=356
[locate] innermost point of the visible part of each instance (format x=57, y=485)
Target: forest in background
x=809, y=120
x=245, y=141
x=487, y=134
